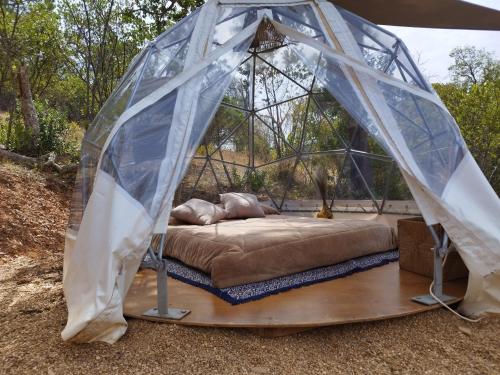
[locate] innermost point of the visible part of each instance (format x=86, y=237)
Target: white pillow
x=241, y=206
x=198, y=212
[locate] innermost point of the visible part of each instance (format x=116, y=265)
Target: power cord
x=445, y=305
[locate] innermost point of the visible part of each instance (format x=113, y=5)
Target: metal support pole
x=162, y=288
x=251, y=123
x=162, y=311
x=440, y=249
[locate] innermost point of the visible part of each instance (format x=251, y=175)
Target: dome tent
x=138, y=148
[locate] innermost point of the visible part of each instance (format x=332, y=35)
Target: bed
x=235, y=252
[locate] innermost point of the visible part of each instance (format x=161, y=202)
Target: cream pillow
x=198, y=212
x=241, y=206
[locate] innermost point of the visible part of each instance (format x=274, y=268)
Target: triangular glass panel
x=281, y=128
x=379, y=60
x=239, y=93
x=223, y=175
x=230, y=22
x=230, y=144
x=398, y=196
x=180, y=31
x=205, y=179
x=337, y=117
x=186, y=188
x=315, y=178
x=320, y=133
x=395, y=71
x=278, y=178
x=352, y=192
x=160, y=67
x=289, y=63
x=361, y=141
x=368, y=34
x=273, y=86
x=241, y=180
x=375, y=171
x=254, y=181
x=301, y=186
x=301, y=18
x=408, y=68
x=165, y=58
x=227, y=120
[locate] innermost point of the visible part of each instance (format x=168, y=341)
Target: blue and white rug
x=254, y=291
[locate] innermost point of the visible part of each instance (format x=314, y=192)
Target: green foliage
x=236, y=179
x=103, y=39
x=163, y=13
x=471, y=65
x=30, y=33
x=56, y=133
x=12, y=133
x=473, y=100
x=257, y=180
x=75, y=51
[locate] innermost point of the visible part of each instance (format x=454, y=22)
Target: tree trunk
x=9, y=126
x=27, y=106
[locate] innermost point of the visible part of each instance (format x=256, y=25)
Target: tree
x=28, y=107
x=470, y=65
x=473, y=98
x=103, y=39
x=31, y=56
x=163, y=13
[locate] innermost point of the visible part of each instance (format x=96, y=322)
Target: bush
x=257, y=180
x=56, y=133
x=13, y=136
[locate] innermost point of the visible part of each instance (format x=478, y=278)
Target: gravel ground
x=32, y=315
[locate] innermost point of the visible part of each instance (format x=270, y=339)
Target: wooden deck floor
x=380, y=293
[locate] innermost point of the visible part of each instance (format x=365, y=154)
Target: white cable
x=445, y=305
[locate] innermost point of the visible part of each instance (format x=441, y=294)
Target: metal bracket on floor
x=162, y=311
x=440, y=251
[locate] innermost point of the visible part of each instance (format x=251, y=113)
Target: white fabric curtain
x=144, y=158
x=453, y=192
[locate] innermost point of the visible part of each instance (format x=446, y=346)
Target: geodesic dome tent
x=208, y=86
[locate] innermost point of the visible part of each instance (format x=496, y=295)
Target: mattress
x=238, y=252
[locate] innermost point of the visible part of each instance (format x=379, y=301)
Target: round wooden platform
x=380, y=293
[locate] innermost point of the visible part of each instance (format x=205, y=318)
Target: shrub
x=56, y=133
x=257, y=180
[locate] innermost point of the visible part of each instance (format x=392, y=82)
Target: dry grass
x=32, y=314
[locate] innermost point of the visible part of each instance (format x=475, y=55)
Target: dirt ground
x=33, y=214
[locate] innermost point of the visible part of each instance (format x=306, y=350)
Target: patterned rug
x=254, y=291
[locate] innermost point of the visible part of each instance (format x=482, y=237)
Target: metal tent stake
x=162, y=311
x=440, y=251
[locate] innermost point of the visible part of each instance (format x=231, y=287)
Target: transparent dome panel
x=301, y=18
x=275, y=82
x=382, y=50
x=432, y=136
x=230, y=22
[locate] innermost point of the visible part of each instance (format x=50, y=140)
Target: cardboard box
x=415, y=250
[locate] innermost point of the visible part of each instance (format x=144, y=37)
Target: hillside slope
x=33, y=213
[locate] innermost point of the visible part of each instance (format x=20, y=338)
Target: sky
x=430, y=48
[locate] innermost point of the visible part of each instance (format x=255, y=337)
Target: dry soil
x=33, y=214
